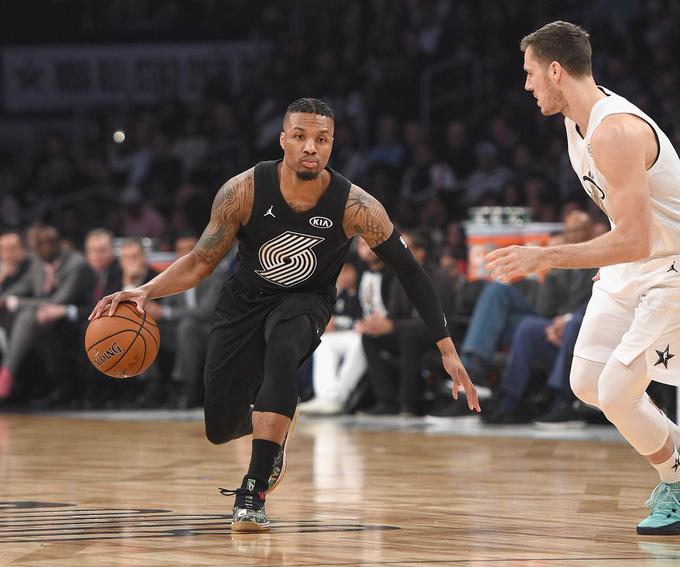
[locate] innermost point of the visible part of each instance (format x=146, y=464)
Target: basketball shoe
x=280, y=463
x=249, y=514
x=664, y=518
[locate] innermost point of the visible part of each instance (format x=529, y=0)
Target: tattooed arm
x=231, y=208
x=366, y=217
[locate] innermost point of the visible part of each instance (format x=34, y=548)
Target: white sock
x=669, y=470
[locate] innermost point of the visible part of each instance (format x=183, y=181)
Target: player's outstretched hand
x=107, y=304
x=454, y=367
x=511, y=262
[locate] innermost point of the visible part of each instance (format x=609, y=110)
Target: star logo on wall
x=30, y=77
x=664, y=356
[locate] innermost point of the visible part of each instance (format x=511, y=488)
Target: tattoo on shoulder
x=230, y=209
x=366, y=217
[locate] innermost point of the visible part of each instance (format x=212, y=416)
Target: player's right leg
x=610, y=370
x=621, y=395
x=619, y=391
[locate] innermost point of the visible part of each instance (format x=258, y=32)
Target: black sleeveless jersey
x=281, y=250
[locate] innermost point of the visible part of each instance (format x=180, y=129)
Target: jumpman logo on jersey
x=672, y=268
x=676, y=465
x=664, y=356
x=270, y=212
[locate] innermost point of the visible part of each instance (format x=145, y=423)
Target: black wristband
x=416, y=283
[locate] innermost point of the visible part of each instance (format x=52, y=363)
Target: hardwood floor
x=95, y=492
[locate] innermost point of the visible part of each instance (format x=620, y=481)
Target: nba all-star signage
x=59, y=77
x=42, y=522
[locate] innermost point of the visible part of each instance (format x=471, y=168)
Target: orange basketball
x=124, y=344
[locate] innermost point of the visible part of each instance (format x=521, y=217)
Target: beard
x=307, y=174
x=554, y=101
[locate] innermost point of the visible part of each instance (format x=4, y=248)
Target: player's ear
x=555, y=71
x=281, y=138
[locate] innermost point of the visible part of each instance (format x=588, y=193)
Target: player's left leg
x=288, y=344
x=622, y=397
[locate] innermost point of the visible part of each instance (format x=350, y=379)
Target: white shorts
x=635, y=308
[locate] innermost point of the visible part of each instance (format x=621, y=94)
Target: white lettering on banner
x=49, y=78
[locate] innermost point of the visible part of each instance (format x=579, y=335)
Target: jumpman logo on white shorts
x=269, y=211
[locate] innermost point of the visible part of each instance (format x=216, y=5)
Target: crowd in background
x=485, y=144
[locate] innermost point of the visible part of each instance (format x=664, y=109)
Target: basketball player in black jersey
x=294, y=219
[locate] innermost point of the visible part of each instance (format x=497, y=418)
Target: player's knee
x=613, y=403
x=582, y=388
x=223, y=425
x=217, y=436
x=583, y=380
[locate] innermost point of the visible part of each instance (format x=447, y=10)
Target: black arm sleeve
x=416, y=283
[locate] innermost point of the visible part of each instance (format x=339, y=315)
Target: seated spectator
x=563, y=412
x=14, y=263
x=500, y=307
x=55, y=277
x=101, y=277
x=400, y=336
x=134, y=265
x=545, y=343
x=339, y=361
x=136, y=271
x=14, y=260
x=184, y=320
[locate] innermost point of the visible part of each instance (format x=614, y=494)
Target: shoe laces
x=663, y=500
x=250, y=499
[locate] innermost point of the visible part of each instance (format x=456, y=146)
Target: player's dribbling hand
x=511, y=262
x=107, y=304
x=454, y=367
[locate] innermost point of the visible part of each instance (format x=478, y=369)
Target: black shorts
x=243, y=321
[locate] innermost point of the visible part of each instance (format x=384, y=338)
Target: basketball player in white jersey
x=631, y=331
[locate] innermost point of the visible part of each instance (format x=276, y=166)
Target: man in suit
x=14, y=263
x=102, y=276
x=184, y=321
x=400, y=336
x=55, y=277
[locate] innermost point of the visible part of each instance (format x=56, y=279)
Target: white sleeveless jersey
x=663, y=176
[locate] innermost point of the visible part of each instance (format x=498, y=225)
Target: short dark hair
x=563, y=42
x=310, y=106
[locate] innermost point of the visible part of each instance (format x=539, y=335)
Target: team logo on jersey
x=596, y=192
x=288, y=259
x=321, y=222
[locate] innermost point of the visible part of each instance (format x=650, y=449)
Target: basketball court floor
x=127, y=489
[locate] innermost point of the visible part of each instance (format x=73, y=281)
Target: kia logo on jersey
x=321, y=222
